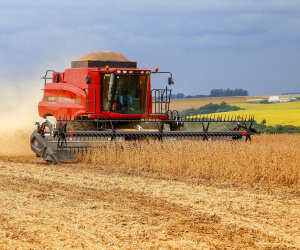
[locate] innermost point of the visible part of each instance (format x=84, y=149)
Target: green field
x=287, y=113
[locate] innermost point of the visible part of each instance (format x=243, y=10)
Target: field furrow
x=88, y=206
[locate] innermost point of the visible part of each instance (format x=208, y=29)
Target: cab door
x=107, y=91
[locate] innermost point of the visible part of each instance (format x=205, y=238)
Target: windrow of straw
x=272, y=159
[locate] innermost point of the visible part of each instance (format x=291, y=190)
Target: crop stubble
x=176, y=195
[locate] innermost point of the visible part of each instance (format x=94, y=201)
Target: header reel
x=54, y=143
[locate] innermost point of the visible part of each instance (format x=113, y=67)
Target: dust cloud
x=18, y=113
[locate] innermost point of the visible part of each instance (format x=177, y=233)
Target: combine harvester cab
x=104, y=97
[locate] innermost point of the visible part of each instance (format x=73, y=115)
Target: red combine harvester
x=105, y=97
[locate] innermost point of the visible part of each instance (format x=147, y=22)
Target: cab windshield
x=124, y=94
x=128, y=94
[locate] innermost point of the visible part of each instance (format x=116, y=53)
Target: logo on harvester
x=52, y=98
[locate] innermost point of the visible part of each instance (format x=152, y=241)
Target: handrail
x=161, y=99
x=46, y=74
x=87, y=101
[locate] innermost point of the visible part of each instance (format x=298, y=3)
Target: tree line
x=228, y=92
x=214, y=93
x=209, y=109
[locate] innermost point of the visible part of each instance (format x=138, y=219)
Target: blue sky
x=249, y=44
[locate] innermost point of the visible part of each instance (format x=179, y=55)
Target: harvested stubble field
x=181, y=195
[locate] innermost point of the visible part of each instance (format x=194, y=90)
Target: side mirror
x=88, y=80
x=170, y=81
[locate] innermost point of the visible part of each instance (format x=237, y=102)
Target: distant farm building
x=273, y=99
x=277, y=99
x=254, y=100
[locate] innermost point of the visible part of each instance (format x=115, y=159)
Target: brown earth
x=92, y=207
